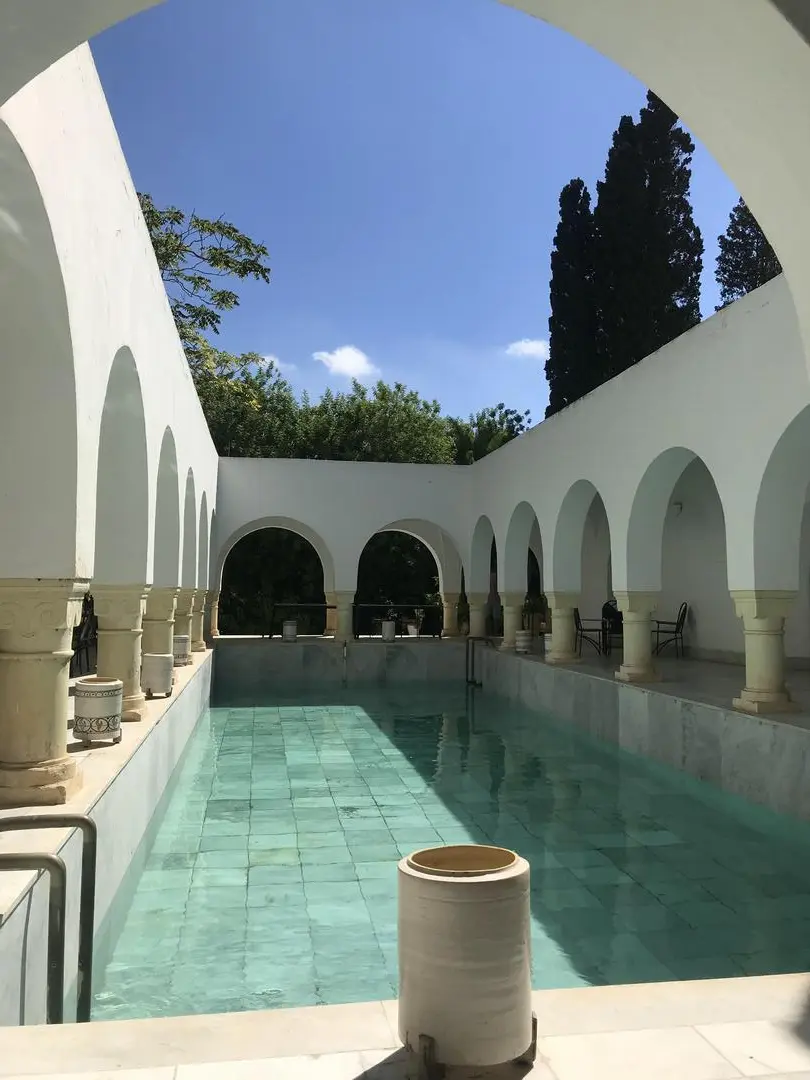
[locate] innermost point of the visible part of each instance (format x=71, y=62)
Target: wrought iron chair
x=668, y=631
x=585, y=631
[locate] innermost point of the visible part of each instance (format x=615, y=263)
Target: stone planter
x=157, y=674
x=98, y=702
x=413, y=630
x=389, y=630
x=289, y=630
x=464, y=957
x=182, y=650
x=523, y=641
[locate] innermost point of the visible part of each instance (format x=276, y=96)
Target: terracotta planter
x=98, y=702
x=389, y=630
x=182, y=650
x=289, y=630
x=464, y=956
x=523, y=641
x=157, y=674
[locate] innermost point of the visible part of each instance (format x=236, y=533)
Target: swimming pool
x=272, y=879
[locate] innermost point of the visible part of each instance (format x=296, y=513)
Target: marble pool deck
x=708, y=1030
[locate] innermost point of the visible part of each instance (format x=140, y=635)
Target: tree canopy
x=746, y=259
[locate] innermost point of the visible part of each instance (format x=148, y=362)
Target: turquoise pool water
x=272, y=878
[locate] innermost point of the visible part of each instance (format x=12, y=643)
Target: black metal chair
x=585, y=631
x=612, y=627
x=668, y=631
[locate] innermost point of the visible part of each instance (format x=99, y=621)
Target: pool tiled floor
x=272, y=880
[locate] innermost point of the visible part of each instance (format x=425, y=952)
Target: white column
x=563, y=648
x=214, y=624
x=450, y=614
x=197, y=617
x=763, y=614
x=36, y=626
x=158, y=621
x=331, y=614
x=183, y=613
x=637, y=663
x=512, y=617
x=119, y=610
x=343, y=617
x=478, y=620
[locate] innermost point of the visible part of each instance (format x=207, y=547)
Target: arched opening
x=676, y=547
x=281, y=568
x=188, y=575
x=38, y=465
x=270, y=575
x=122, y=488
x=484, y=574
x=581, y=555
x=782, y=531
x=204, y=535
x=523, y=565
x=166, y=571
x=399, y=579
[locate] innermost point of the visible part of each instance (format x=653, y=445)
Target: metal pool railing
x=56, y=907
x=469, y=659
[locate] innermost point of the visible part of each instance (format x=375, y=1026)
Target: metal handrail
x=87, y=899
x=469, y=659
x=55, y=999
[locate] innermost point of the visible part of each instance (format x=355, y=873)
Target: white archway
x=38, y=419
x=438, y=542
x=166, y=572
x=481, y=556
x=522, y=535
x=203, y=540
x=576, y=547
x=298, y=527
x=122, y=487
x=188, y=572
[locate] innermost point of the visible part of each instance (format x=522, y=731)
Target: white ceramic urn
x=98, y=702
x=465, y=956
x=182, y=650
x=157, y=674
x=289, y=630
x=523, y=641
x=389, y=630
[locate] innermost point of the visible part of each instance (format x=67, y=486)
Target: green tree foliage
x=647, y=248
x=485, y=431
x=571, y=368
x=746, y=259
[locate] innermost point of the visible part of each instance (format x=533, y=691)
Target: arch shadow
x=569, y=536
x=522, y=536
x=204, y=544
x=188, y=572
x=166, y=559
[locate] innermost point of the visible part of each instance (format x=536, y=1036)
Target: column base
x=563, y=658
x=46, y=784
x=132, y=709
x=759, y=702
x=198, y=646
x=506, y=646
x=637, y=675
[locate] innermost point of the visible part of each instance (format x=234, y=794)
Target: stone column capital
x=185, y=601
x=161, y=602
x=34, y=611
x=762, y=604
x=640, y=604
x=562, y=601
x=119, y=607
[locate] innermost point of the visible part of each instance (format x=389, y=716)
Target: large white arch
x=523, y=533
x=569, y=532
x=738, y=74
x=122, y=487
x=438, y=542
x=298, y=527
x=166, y=562
x=481, y=556
x=38, y=419
x=188, y=569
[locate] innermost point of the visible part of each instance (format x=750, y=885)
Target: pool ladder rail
x=469, y=660
x=57, y=896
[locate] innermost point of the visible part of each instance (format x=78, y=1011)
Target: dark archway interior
x=397, y=575
x=271, y=575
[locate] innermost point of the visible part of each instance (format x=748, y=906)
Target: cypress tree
x=571, y=366
x=746, y=259
x=647, y=248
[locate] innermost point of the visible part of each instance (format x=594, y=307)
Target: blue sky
x=402, y=160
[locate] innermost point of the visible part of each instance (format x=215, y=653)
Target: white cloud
x=348, y=361
x=528, y=348
x=280, y=365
